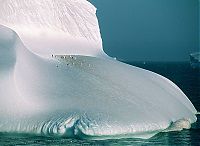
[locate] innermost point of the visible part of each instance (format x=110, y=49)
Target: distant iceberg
x=195, y=60
x=56, y=80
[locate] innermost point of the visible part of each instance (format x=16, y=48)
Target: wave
x=78, y=93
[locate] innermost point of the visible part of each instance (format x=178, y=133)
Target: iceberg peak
x=47, y=20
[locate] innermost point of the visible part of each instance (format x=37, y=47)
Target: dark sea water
x=181, y=73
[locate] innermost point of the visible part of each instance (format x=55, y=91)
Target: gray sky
x=150, y=30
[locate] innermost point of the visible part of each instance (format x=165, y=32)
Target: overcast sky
x=149, y=30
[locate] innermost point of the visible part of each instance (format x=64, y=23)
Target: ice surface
x=54, y=26
x=81, y=96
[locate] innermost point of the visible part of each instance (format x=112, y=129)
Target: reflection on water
x=181, y=73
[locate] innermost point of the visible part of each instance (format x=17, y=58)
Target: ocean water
x=181, y=73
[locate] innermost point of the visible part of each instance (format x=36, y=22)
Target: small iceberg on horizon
x=195, y=60
x=56, y=80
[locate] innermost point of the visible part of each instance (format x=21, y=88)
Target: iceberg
x=195, y=60
x=56, y=80
x=63, y=23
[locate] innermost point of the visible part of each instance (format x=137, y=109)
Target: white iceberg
x=55, y=79
x=195, y=60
